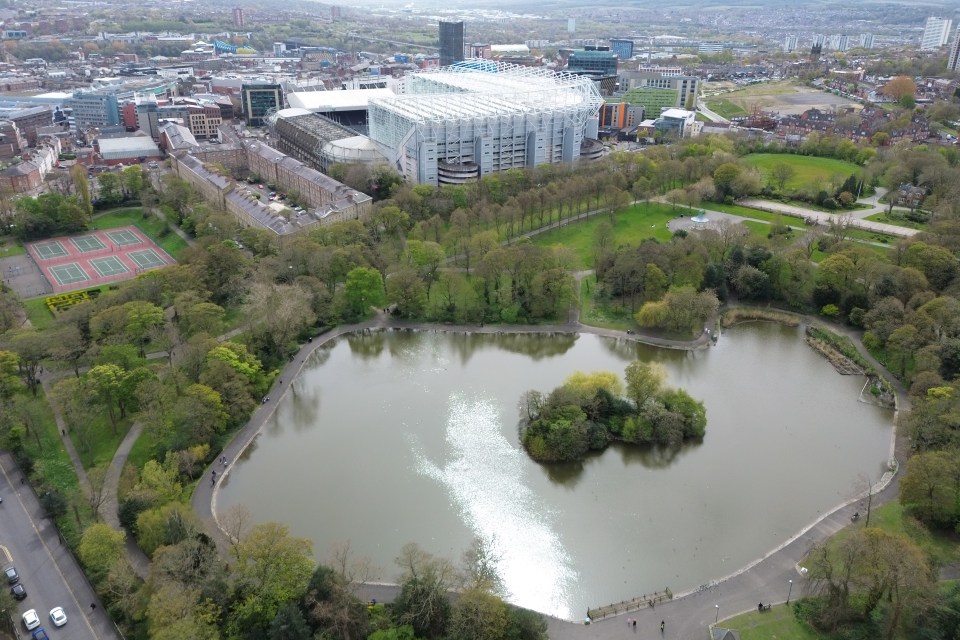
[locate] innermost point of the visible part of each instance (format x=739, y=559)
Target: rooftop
x=349, y=100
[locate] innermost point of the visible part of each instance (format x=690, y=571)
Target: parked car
x=58, y=616
x=18, y=591
x=31, y=620
x=40, y=634
x=12, y=576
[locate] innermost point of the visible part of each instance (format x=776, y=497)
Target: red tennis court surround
x=96, y=257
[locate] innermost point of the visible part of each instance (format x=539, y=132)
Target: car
x=58, y=617
x=40, y=634
x=260, y=186
x=31, y=620
x=12, y=576
x=18, y=591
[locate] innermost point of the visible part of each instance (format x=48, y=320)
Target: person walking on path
x=213, y=477
x=662, y=625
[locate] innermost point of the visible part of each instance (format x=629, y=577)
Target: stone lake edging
x=207, y=506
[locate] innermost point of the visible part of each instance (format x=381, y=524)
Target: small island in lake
x=590, y=410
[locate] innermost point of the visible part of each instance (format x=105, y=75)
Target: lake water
x=398, y=436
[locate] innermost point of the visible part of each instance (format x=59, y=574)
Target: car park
x=58, y=616
x=12, y=576
x=31, y=620
x=18, y=591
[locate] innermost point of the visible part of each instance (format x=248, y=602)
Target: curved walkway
x=688, y=615
x=109, y=502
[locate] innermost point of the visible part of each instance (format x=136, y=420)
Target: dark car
x=12, y=576
x=40, y=634
x=18, y=591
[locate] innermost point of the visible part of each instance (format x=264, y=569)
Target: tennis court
x=88, y=244
x=50, y=250
x=96, y=257
x=67, y=274
x=123, y=237
x=147, y=259
x=109, y=266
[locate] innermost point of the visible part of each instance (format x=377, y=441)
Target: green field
x=747, y=212
x=777, y=623
x=10, y=247
x=155, y=228
x=725, y=108
x=600, y=315
x=631, y=226
x=896, y=220
x=807, y=170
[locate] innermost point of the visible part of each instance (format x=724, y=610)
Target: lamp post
x=789, y=592
x=716, y=617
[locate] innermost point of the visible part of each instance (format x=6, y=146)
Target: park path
x=109, y=503
x=856, y=218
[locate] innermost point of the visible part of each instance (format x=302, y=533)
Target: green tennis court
x=86, y=244
x=50, y=250
x=69, y=273
x=109, y=266
x=123, y=237
x=147, y=259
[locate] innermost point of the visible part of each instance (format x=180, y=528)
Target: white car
x=58, y=617
x=31, y=620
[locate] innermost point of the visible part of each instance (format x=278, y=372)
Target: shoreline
x=248, y=434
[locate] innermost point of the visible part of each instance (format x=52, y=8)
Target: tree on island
x=589, y=410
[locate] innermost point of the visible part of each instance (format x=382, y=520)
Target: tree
x=289, y=624
x=142, y=317
x=478, y=615
x=81, y=185
x=109, y=188
x=9, y=374
x=100, y=546
x=724, y=177
x=176, y=611
x=899, y=87
x=644, y=380
x=406, y=290
x=31, y=348
x=929, y=488
x=781, y=173
x=106, y=382
x=362, y=290
x=272, y=568
x=424, y=583
x=480, y=562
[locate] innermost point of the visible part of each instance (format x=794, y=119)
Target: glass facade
x=451, y=43
x=259, y=100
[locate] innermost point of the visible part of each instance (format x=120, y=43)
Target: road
x=49, y=572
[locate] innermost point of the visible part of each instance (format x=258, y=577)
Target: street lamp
x=789, y=592
x=716, y=617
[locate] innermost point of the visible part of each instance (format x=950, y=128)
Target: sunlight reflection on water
x=485, y=477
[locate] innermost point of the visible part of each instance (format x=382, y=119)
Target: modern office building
x=92, y=109
x=593, y=61
x=451, y=42
x=953, y=60
x=258, y=101
x=623, y=47
x=676, y=123
x=455, y=124
x=936, y=33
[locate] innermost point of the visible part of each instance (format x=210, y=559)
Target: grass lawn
x=637, y=223
x=10, y=247
x=896, y=220
x=53, y=467
x=806, y=169
x=725, y=108
x=757, y=229
x=102, y=440
x=155, y=228
x=777, y=623
x=598, y=315
x=871, y=236
x=891, y=518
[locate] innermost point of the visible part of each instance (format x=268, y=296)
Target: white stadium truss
x=490, y=116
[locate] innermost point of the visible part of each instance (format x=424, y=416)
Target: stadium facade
x=454, y=124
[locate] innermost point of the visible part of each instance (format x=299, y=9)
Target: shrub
x=53, y=503
x=830, y=310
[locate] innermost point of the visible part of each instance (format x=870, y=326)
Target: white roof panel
x=348, y=100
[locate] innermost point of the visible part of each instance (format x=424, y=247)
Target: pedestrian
x=93, y=607
x=63, y=432
x=213, y=477
x=281, y=380
x=634, y=625
x=662, y=625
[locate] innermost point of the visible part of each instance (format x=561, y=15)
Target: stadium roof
x=347, y=100
x=482, y=88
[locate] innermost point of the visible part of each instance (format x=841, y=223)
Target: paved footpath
x=689, y=615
